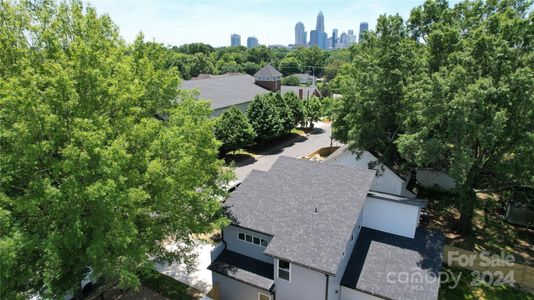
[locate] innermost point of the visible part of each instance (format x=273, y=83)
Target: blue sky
x=177, y=22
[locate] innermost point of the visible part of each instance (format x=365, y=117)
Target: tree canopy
x=88, y=176
x=234, y=130
x=449, y=89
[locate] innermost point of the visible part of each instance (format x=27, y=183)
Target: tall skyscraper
x=314, y=39
x=319, y=26
x=300, y=34
x=318, y=37
x=235, y=40
x=364, y=27
x=351, y=38
x=334, y=38
x=252, y=42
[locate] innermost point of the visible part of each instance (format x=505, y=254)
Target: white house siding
x=390, y=216
x=350, y=294
x=242, y=106
x=233, y=243
x=334, y=285
x=435, y=179
x=386, y=182
x=305, y=284
x=231, y=289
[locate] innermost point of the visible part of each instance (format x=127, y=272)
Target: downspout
x=326, y=290
x=222, y=238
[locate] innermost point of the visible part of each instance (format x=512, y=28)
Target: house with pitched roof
x=236, y=89
x=307, y=230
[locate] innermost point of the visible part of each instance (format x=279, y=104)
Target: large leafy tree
x=234, y=130
x=88, y=176
x=296, y=107
x=471, y=113
x=265, y=118
x=289, y=65
x=311, y=111
x=370, y=113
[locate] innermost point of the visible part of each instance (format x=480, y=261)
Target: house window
x=284, y=269
x=252, y=239
x=262, y=296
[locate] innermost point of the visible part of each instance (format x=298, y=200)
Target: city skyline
x=212, y=22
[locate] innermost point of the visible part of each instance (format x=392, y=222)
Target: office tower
x=322, y=40
x=351, y=38
x=300, y=34
x=334, y=38
x=314, y=39
x=235, y=40
x=343, y=40
x=252, y=42
x=364, y=27
x=319, y=26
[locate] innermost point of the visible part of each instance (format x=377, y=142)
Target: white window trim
x=252, y=242
x=278, y=270
x=264, y=294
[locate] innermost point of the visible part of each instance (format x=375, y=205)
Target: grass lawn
x=170, y=288
x=298, y=131
x=484, y=291
x=490, y=233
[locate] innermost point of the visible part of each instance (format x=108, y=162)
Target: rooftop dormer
x=268, y=77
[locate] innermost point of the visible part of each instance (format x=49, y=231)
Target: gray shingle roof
x=226, y=90
x=377, y=253
x=282, y=203
x=268, y=70
x=245, y=269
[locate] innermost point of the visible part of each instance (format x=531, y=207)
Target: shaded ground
x=490, y=232
x=469, y=288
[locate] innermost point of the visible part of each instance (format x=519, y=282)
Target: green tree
x=229, y=67
x=234, y=130
x=259, y=55
x=471, y=113
x=284, y=111
x=370, y=112
x=264, y=116
x=289, y=65
x=251, y=68
x=312, y=111
x=88, y=176
x=312, y=59
x=291, y=81
x=296, y=107
x=200, y=63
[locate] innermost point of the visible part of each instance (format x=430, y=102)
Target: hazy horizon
x=212, y=22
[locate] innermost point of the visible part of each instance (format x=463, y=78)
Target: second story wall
x=390, y=216
x=248, y=246
x=303, y=284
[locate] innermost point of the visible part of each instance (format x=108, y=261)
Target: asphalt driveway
x=297, y=147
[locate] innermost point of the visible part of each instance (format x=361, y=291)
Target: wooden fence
x=522, y=275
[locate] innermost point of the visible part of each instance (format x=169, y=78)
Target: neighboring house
x=307, y=230
x=306, y=79
x=226, y=90
x=236, y=89
x=386, y=180
x=435, y=179
x=303, y=92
